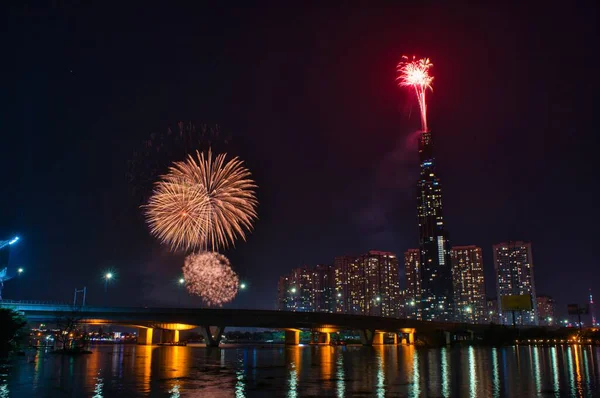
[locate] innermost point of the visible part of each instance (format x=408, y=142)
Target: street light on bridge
x=108, y=276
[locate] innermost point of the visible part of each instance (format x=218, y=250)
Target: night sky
x=306, y=96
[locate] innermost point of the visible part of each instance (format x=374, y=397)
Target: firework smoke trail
x=209, y=275
x=204, y=202
x=415, y=73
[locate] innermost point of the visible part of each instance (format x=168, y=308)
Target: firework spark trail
x=174, y=214
x=415, y=73
x=203, y=202
x=209, y=275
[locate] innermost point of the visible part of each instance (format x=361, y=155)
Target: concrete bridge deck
x=171, y=320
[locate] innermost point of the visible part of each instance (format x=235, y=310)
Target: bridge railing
x=33, y=302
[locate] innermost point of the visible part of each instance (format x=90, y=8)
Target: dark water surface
x=317, y=371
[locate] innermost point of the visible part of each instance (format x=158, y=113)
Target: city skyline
x=329, y=137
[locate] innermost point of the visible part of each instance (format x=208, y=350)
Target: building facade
x=368, y=284
x=381, y=291
x=515, y=277
x=436, y=270
x=342, y=269
x=296, y=291
x=545, y=307
x=492, y=311
x=469, y=287
x=323, y=282
x=412, y=293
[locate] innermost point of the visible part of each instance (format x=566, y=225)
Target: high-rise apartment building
x=364, y=285
x=514, y=277
x=381, y=290
x=469, y=286
x=412, y=293
x=492, y=311
x=342, y=266
x=323, y=283
x=296, y=291
x=436, y=270
x=545, y=307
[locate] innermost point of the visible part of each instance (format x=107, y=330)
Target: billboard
x=575, y=309
x=516, y=303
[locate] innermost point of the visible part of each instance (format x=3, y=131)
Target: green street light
x=20, y=271
x=469, y=309
x=339, y=294
x=378, y=298
x=412, y=303
x=181, y=281
x=293, y=290
x=108, y=275
x=242, y=286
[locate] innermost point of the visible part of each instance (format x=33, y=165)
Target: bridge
x=212, y=322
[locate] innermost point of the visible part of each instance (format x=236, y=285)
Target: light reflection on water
x=250, y=371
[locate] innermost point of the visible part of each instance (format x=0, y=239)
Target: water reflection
x=174, y=391
x=341, y=388
x=445, y=372
x=496, y=373
x=143, y=367
x=536, y=368
x=472, y=373
x=415, y=387
x=243, y=371
x=294, y=366
x=98, y=387
x=555, y=374
x=380, y=374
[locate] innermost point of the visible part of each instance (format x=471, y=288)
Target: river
x=306, y=371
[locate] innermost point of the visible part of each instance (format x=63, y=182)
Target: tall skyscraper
x=545, y=307
x=412, y=294
x=514, y=277
x=436, y=270
x=469, y=286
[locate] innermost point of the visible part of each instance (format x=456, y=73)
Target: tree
x=12, y=330
x=66, y=323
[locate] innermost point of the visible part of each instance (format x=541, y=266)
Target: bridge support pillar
x=292, y=336
x=395, y=341
x=378, y=338
x=324, y=338
x=447, y=337
x=366, y=336
x=169, y=336
x=212, y=339
x=145, y=336
x=410, y=335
